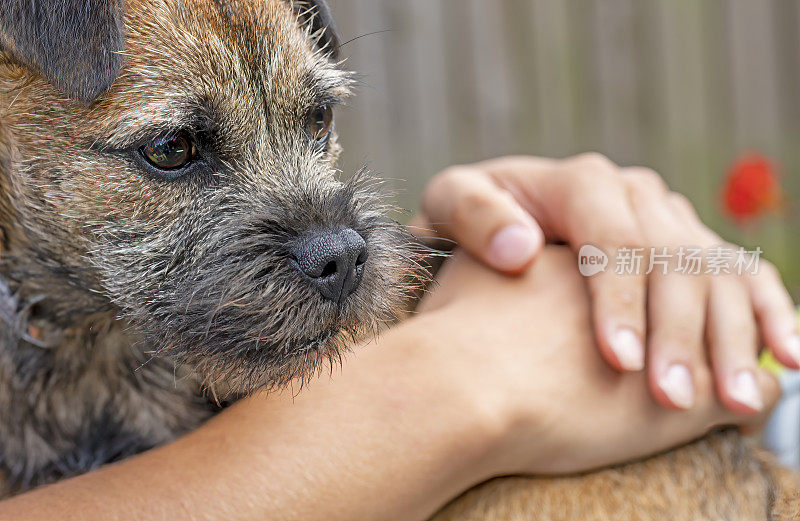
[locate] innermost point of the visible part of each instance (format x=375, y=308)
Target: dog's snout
x=333, y=260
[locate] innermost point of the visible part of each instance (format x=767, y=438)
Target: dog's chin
x=250, y=341
x=267, y=365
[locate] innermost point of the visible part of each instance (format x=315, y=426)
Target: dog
x=174, y=236
x=172, y=223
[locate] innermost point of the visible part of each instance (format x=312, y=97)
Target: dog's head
x=175, y=159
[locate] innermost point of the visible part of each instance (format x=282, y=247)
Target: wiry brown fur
x=720, y=478
x=122, y=294
x=127, y=294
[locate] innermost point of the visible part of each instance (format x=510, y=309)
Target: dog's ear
x=317, y=15
x=76, y=44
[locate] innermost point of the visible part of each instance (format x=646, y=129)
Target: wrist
x=476, y=422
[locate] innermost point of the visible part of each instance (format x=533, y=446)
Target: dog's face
x=198, y=193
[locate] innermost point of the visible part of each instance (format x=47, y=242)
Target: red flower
x=752, y=188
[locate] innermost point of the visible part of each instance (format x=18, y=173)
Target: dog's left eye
x=169, y=152
x=320, y=124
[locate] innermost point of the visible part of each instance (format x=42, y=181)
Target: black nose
x=333, y=260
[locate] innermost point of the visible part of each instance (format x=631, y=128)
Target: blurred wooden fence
x=683, y=86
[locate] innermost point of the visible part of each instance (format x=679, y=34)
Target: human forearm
x=370, y=443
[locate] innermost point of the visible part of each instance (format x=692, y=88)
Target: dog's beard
x=230, y=304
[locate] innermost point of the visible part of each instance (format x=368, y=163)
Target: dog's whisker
x=365, y=35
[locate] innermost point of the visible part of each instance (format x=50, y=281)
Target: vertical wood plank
x=402, y=97
x=430, y=118
x=553, y=75
x=648, y=47
x=615, y=65
x=754, y=68
x=522, y=50
x=462, y=112
x=492, y=78
x=586, y=82
x=684, y=98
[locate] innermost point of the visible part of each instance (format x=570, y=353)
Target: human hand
x=524, y=349
x=502, y=211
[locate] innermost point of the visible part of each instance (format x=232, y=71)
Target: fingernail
x=793, y=347
x=745, y=390
x=513, y=247
x=678, y=386
x=628, y=349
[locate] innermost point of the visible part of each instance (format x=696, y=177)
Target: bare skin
x=495, y=376
x=503, y=210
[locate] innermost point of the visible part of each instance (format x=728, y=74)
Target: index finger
x=464, y=204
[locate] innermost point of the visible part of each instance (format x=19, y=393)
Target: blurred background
x=707, y=92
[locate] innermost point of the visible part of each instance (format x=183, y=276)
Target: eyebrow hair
x=324, y=86
x=326, y=97
x=200, y=115
x=197, y=117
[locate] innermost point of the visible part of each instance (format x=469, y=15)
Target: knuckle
x=470, y=205
x=592, y=177
x=627, y=298
x=452, y=185
x=589, y=171
x=736, y=337
x=645, y=180
x=683, y=338
x=442, y=183
x=746, y=338
x=449, y=178
x=682, y=203
x=593, y=193
x=593, y=161
x=768, y=269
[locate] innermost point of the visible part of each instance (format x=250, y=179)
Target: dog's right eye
x=320, y=124
x=169, y=153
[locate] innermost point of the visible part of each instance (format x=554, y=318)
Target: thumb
x=465, y=205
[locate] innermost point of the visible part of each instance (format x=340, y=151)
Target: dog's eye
x=169, y=152
x=320, y=123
